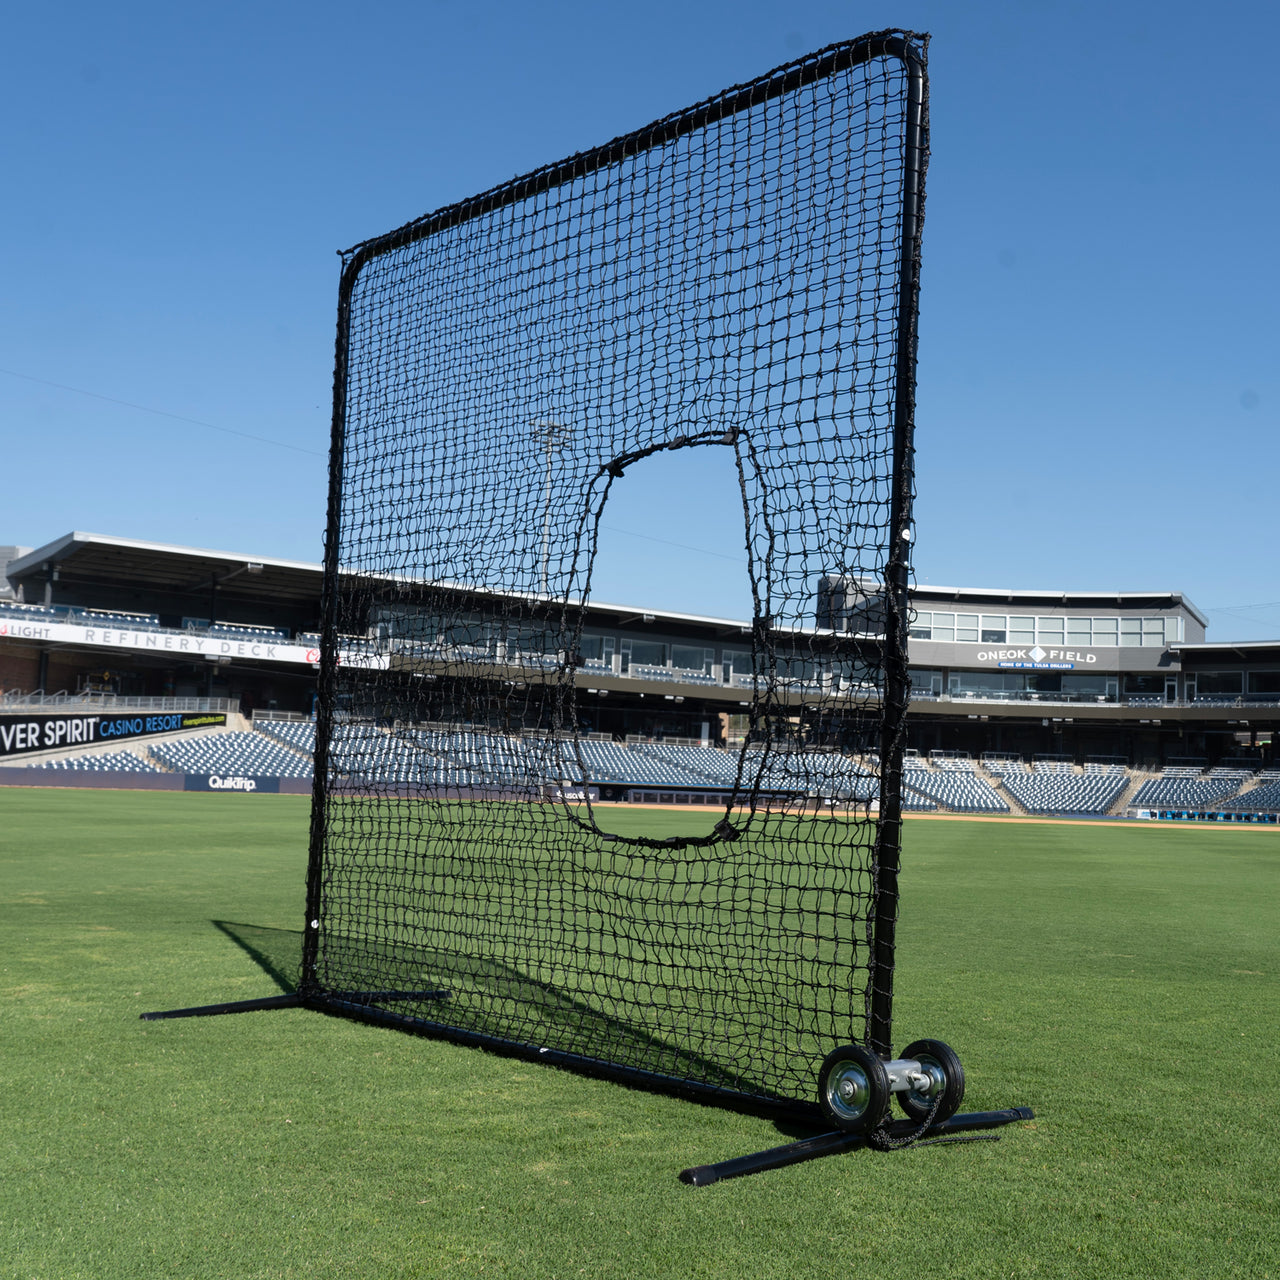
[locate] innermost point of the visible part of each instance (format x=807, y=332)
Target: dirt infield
x=1018, y=819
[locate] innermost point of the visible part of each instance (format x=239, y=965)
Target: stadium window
x=1264, y=681
x=688, y=658
x=598, y=648
x=1050, y=682
x=921, y=626
x=1022, y=630
x=1153, y=631
x=926, y=681
x=1130, y=632
x=986, y=682
x=526, y=639
x=1219, y=682
x=943, y=626
x=967, y=626
x=1080, y=630
x=1106, y=631
x=995, y=630
x=649, y=653
x=735, y=662
x=1050, y=630
x=1153, y=684
x=1087, y=686
x=465, y=633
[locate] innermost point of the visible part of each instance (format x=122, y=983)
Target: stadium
x=638, y=888
x=1022, y=702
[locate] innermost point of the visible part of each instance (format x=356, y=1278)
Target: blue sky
x=1098, y=395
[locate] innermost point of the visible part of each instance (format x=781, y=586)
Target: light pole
x=554, y=436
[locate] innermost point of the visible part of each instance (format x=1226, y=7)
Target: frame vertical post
x=328, y=630
x=897, y=681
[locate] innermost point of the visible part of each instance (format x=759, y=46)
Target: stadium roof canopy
x=92, y=558
x=1242, y=650
x=95, y=557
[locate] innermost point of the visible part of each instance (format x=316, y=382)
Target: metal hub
x=937, y=1082
x=848, y=1090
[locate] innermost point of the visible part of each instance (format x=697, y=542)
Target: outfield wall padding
x=125, y=781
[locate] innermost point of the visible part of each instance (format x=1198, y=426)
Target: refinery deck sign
x=179, y=643
x=21, y=734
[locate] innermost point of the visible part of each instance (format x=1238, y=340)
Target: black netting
x=740, y=276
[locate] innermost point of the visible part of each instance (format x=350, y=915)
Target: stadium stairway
x=1125, y=799
x=1015, y=805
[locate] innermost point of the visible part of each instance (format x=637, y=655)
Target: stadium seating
x=1052, y=766
x=955, y=788
x=1182, y=787
x=300, y=734
x=76, y=616
x=1107, y=770
x=614, y=762
x=114, y=619
x=914, y=802
x=819, y=773
x=243, y=631
x=248, y=753
x=476, y=760
x=373, y=756
x=1003, y=768
x=1264, y=798
x=107, y=762
x=34, y=612
x=1231, y=773
x=710, y=765
x=1051, y=790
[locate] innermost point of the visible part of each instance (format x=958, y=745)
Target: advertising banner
x=231, y=781
x=188, y=643
x=26, y=733
x=179, y=643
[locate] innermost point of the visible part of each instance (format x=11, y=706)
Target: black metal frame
x=897, y=680
x=311, y=993
x=831, y=1144
x=825, y=62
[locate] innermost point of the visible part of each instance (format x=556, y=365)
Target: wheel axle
x=855, y=1086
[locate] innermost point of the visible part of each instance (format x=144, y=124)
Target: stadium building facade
x=1077, y=675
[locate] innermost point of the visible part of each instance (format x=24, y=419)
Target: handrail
x=17, y=700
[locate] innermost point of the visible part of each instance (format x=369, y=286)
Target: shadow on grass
x=588, y=1031
x=278, y=952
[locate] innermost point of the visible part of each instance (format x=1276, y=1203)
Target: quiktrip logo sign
x=245, y=784
x=22, y=734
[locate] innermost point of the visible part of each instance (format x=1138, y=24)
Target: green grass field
x=1120, y=980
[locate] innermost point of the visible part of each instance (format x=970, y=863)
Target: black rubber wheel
x=853, y=1088
x=941, y=1062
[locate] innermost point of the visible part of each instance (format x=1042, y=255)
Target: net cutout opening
x=745, y=789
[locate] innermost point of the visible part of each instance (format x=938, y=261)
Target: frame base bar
x=829, y=1144
x=290, y=1000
